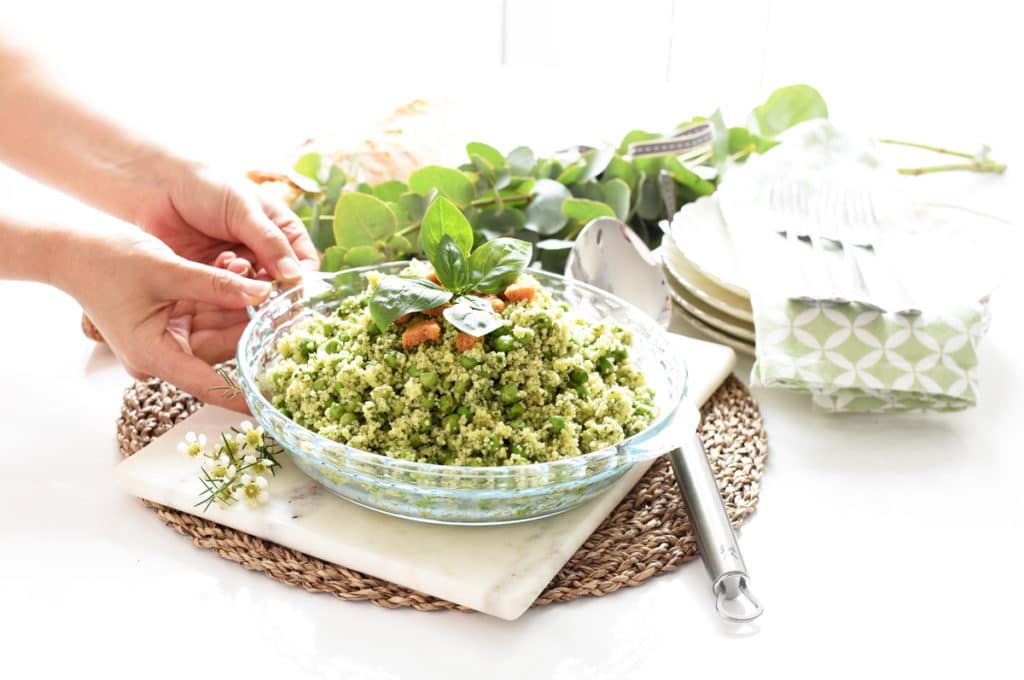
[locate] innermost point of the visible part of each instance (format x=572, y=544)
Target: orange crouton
x=437, y=311
x=520, y=291
x=405, y=317
x=497, y=304
x=465, y=341
x=420, y=332
x=432, y=277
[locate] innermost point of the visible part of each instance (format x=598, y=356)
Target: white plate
x=718, y=336
x=709, y=315
x=706, y=290
x=700, y=235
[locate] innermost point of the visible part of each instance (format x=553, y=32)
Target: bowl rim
x=251, y=391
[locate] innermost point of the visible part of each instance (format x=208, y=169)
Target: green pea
x=332, y=346
x=416, y=439
x=428, y=379
x=518, y=450
x=500, y=331
x=320, y=384
x=509, y=394
x=427, y=403
x=451, y=424
x=620, y=354
x=285, y=412
x=351, y=406
x=460, y=387
x=557, y=424
x=605, y=366
x=446, y=403
x=349, y=418
x=541, y=321
x=372, y=330
x=464, y=411
x=492, y=444
x=484, y=373
x=516, y=410
x=334, y=412
x=525, y=338
x=468, y=362
x=504, y=343
x=641, y=410
x=578, y=376
x=307, y=346
x=411, y=369
x=583, y=391
x=391, y=359
x=565, y=307
x=517, y=424
x=424, y=426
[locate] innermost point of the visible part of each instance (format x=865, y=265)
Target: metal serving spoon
x=609, y=255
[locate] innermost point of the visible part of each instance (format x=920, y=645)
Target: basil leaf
x=450, y=265
x=473, y=315
x=444, y=218
x=498, y=263
x=784, y=108
x=397, y=296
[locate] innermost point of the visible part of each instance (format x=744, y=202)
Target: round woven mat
x=648, y=533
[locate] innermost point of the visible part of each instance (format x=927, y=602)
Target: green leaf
x=390, y=191
x=309, y=165
x=364, y=188
x=321, y=229
x=397, y=296
x=399, y=246
x=595, y=163
x=497, y=263
x=620, y=168
x=584, y=210
x=572, y=173
x=635, y=136
x=548, y=169
x=336, y=180
x=785, y=107
x=616, y=194
x=414, y=206
x=553, y=254
x=473, y=315
x=488, y=153
x=507, y=221
x=720, y=143
x=590, y=190
x=688, y=178
x=544, y=214
x=334, y=259
x=648, y=204
x=451, y=265
x=451, y=183
x=362, y=220
x=362, y=256
x=521, y=160
x=444, y=218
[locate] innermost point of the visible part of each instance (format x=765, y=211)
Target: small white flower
x=193, y=445
x=245, y=426
x=250, y=459
x=232, y=470
x=254, y=489
x=246, y=479
x=250, y=436
x=224, y=460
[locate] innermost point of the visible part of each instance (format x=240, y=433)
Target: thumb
x=189, y=280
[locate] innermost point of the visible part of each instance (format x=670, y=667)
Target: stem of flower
x=491, y=201
x=926, y=147
x=975, y=166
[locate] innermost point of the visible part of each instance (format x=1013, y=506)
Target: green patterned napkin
x=853, y=359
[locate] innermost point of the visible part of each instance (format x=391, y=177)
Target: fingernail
x=288, y=268
x=256, y=291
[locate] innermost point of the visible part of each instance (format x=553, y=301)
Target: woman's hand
x=162, y=314
x=202, y=215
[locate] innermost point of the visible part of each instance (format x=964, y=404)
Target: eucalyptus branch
x=926, y=147
x=979, y=162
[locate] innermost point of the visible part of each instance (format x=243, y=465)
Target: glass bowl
x=451, y=494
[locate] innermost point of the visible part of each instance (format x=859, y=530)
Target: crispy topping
x=427, y=330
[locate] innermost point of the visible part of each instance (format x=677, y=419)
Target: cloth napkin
x=850, y=357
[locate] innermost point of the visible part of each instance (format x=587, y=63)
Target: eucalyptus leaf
x=720, y=143
x=473, y=315
x=450, y=265
x=364, y=188
x=785, y=107
x=334, y=259
x=584, y=210
x=572, y=173
x=397, y=296
x=619, y=168
x=414, y=206
x=505, y=222
x=589, y=190
x=648, y=204
x=634, y=136
x=362, y=220
x=362, y=256
x=544, y=214
x=390, y=191
x=336, y=180
x=453, y=184
x=487, y=152
x=444, y=218
x=400, y=246
x=553, y=254
x=498, y=263
x=688, y=178
x=309, y=166
x=321, y=230
x=521, y=160
x=617, y=195
x=595, y=163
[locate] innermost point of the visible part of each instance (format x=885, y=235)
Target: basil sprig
x=447, y=241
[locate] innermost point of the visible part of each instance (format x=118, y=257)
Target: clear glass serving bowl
x=457, y=494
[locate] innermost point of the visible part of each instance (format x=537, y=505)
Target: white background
x=881, y=545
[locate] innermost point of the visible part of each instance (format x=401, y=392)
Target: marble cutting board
x=498, y=570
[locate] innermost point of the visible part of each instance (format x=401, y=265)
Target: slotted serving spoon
x=609, y=255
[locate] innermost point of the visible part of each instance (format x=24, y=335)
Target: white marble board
x=498, y=570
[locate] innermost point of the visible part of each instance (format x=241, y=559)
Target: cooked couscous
x=547, y=385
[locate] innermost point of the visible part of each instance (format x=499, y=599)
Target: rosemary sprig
x=236, y=468
x=230, y=388
x=977, y=162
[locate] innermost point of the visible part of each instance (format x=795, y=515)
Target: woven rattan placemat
x=648, y=533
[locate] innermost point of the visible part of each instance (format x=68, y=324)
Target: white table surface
x=880, y=542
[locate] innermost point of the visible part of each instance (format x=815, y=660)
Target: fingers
x=187, y=280
x=250, y=224
x=209, y=318
x=294, y=230
x=195, y=376
x=216, y=345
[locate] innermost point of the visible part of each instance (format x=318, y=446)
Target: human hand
x=201, y=215
x=162, y=314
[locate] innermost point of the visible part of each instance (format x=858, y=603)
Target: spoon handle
x=715, y=537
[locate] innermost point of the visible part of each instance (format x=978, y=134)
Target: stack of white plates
x=704, y=276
